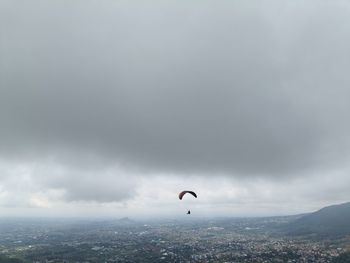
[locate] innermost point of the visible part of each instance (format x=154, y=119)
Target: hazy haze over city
x=110, y=108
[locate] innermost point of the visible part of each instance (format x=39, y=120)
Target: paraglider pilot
x=181, y=195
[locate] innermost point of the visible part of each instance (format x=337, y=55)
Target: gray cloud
x=98, y=186
x=49, y=181
x=257, y=88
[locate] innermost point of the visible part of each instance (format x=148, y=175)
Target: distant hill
x=330, y=221
x=125, y=220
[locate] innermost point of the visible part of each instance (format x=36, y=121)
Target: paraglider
x=181, y=195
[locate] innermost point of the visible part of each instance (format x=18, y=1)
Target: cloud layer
x=243, y=90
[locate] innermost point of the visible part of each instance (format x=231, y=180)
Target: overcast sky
x=110, y=108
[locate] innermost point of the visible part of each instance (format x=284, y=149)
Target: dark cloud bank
x=258, y=88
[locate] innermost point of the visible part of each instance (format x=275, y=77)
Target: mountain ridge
x=330, y=220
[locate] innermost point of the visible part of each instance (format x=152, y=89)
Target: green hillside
x=332, y=221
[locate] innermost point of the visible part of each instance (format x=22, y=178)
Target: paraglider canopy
x=185, y=192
